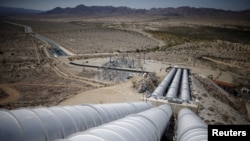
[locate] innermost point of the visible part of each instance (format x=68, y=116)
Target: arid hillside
x=29, y=76
x=213, y=49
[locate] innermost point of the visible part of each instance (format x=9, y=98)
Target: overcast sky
x=234, y=5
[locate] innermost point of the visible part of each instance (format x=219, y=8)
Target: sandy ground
x=155, y=66
x=122, y=92
x=219, y=75
x=248, y=109
x=158, y=66
x=160, y=42
x=13, y=94
x=93, y=61
x=212, y=112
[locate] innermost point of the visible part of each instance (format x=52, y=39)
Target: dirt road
x=220, y=62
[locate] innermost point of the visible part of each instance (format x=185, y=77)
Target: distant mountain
x=180, y=11
x=94, y=10
x=5, y=11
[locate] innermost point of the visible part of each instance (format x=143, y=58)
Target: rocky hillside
x=179, y=12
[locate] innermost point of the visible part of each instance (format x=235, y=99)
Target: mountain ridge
x=81, y=9
x=17, y=11
x=179, y=11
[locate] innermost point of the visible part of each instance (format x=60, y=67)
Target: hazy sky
x=50, y=4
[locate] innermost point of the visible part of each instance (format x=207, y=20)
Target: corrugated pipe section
x=185, y=88
x=174, y=87
x=190, y=127
x=159, y=92
x=48, y=124
x=149, y=125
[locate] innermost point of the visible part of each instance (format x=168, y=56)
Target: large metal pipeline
x=190, y=127
x=149, y=125
x=48, y=124
x=174, y=87
x=185, y=88
x=161, y=89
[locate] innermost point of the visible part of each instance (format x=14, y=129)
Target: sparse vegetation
x=26, y=68
x=211, y=109
x=29, y=72
x=182, y=34
x=89, y=37
x=237, y=104
x=218, y=123
x=225, y=117
x=199, y=98
x=205, y=95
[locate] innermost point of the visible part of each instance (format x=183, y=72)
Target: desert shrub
x=133, y=83
x=204, y=94
x=211, y=109
x=225, y=117
x=218, y=123
x=207, y=121
x=200, y=98
x=233, y=118
x=201, y=107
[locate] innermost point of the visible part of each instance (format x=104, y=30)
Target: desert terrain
x=213, y=49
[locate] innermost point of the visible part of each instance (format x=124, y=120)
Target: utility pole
x=144, y=57
x=110, y=59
